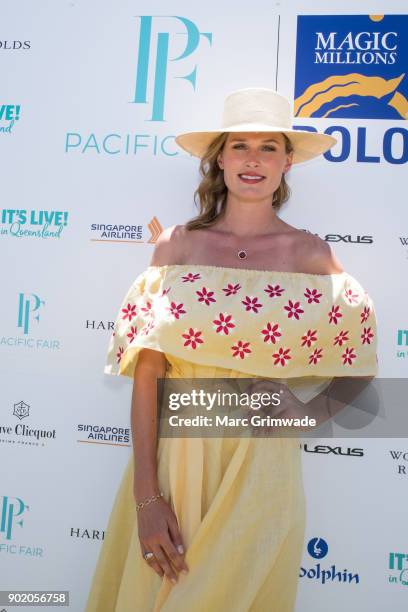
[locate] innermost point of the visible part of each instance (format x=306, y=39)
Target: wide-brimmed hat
x=257, y=109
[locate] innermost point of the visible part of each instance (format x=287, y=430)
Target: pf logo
x=28, y=305
x=158, y=65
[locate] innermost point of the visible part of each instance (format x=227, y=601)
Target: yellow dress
x=239, y=502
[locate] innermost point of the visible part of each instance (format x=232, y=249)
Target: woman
x=218, y=523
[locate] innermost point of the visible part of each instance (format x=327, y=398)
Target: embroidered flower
x=130, y=312
x=281, y=356
x=190, y=277
x=334, y=314
x=241, y=349
x=192, y=337
x=224, y=323
x=206, y=296
x=119, y=354
x=315, y=356
x=365, y=314
x=147, y=310
x=351, y=296
x=165, y=292
x=231, y=289
x=271, y=332
x=274, y=291
x=176, y=309
x=312, y=296
x=132, y=334
x=148, y=327
x=348, y=356
x=309, y=337
x=341, y=338
x=367, y=336
x=251, y=303
x=293, y=309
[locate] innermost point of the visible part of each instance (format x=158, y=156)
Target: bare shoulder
x=170, y=246
x=316, y=256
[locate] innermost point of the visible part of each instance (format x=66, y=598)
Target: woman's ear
x=220, y=162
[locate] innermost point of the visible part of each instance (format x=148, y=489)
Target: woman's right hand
x=159, y=533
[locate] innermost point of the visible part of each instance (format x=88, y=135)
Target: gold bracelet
x=148, y=501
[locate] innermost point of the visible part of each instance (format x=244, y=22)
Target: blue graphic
x=162, y=60
x=317, y=548
x=26, y=308
x=352, y=66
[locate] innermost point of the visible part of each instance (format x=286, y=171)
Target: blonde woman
x=217, y=523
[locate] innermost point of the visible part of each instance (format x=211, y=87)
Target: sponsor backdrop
x=92, y=95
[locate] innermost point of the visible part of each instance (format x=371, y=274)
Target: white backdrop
x=87, y=141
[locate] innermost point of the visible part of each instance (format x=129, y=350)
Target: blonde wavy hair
x=212, y=190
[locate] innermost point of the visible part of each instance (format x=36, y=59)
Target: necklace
x=242, y=254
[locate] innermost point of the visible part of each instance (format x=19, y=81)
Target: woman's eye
x=267, y=147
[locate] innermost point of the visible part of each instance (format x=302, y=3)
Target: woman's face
x=261, y=156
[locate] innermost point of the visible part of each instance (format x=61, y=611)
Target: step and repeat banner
x=93, y=93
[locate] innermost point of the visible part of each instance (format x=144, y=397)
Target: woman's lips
x=250, y=181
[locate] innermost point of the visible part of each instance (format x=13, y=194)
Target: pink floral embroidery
x=293, y=309
x=224, y=323
x=351, y=296
x=148, y=310
x=309, y=337
x=130, y=312
x=281, y=356
x=192, y=337
x=176, y=309
x=334, y=314
x=315, y=356
x=206, y=296
x=365, y=314
x=312, y=296
x=241, y=349
x=271, y=332
x=132, y=334
x=274, y=291
x=148, y=327
x=348, y=356
x=165, y=292
x=232, y=289
x=251, y=303
x=341, y=338
x=367, y=336
x=190, y=277
x=119, y=354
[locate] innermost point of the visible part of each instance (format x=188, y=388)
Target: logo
x=104, y=434
x=333, y=450
x=30, y=309
x=318, y=549
x=33, y=223
x=20, y=433
x=402, y=341
x=100, y=325
x=351, y=66
x=9, y=114
x=87, y=534
x=167, y=55
x=106, y=232
x=13, y=513
x=401, y=457
x=348, y=238
x=21, y=410
x=398, y=565
x=157, y=65
x=15, y=45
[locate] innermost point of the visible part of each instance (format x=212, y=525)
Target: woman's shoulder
x=315, y=255
x=170, y=246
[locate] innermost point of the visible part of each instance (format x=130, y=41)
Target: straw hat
x=257, y=109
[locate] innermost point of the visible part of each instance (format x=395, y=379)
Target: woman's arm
x=158, y=529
